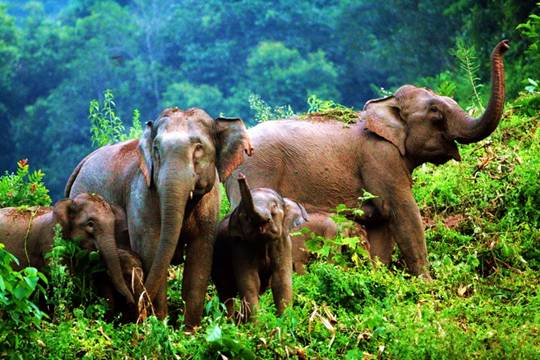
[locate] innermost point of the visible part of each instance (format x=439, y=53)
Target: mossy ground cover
x=482, y=219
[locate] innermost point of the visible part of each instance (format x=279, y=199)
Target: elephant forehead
x=419, y=100
x=92, y=204
x=193, y=121
x=265, y=195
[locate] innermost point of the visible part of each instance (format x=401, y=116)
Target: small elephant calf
x=133, y=274
x=253, y=249
x=29, y=234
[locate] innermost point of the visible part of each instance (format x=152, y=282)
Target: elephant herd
x=148, y=203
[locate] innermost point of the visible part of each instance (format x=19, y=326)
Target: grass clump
x=329, y=109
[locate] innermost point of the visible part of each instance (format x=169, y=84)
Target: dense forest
x=59, y=55
x=75, y=75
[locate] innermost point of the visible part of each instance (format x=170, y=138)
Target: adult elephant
x=167, y=181
x=324, y=163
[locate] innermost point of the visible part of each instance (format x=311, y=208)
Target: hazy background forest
x=56, y=56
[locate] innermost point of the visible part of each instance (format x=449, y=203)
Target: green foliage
x=295, y=75
x=349, y=247
x=23, y=188
x=330, y=109
x=468, y=62
x=501, y=184
x=18, y=313
x=70, y=270
x=264, y=112
x=530, y=30
x=106, y=126
x=224, y=205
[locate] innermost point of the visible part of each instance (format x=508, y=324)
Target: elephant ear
x=232, y=140
x=64, y=212
x=231, y=225
x=145, y=152
x=120, y=225
x=295, y=214
x=383, y=119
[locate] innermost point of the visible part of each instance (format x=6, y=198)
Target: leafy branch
x=468, y=62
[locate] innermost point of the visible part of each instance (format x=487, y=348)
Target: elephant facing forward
x=323, y=163
x=167, y=183
x=253, y=249
x=28, y=234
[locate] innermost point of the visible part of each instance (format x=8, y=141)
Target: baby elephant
x=132, y=272
x=253, y=249
x=29, y=233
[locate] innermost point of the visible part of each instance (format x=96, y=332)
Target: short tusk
x=191, y=195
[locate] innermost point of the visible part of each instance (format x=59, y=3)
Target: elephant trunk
x=175, y=187
x=109, y=251
x=247, y=199
x=465, y=129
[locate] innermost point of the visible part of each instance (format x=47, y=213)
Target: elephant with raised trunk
x=253, y=249
x=323, y=163
x=167, y=181
x=29, y=233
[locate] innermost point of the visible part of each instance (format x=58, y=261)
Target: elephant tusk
x=191, y=195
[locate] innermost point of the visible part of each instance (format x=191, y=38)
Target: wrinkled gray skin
x=29, y=234
x=253, y=249
x=167, y=183
x=323, y=163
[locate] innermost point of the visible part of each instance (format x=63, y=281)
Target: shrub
x=106, y=126
x=18, y=313
x=23, y=188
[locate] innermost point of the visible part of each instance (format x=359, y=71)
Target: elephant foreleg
x=249, y=284
x=281, y=281
x=381, y=244
x=400, y=218
x=197, y=270
x=405, y=225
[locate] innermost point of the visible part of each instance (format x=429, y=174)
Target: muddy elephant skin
x=167, y=183
x=253, y=249
x=29, y=233
x=323, y=163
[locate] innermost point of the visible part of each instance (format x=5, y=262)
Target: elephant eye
x=90, y=223
x=433, y=109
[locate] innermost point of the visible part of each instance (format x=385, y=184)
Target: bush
x=23, y=188
x=18, y=313
x=106, y=126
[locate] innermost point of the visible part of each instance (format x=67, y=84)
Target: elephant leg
x=197, y=270
x=395, y=203
x=199, y=235
x=381, y=244
x=281, y=281
x=249, y=284
x=408, y=231
x=160, y=303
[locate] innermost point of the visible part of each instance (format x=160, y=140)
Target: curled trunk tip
x=467, y=130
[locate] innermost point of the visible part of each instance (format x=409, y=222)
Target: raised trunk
x=174, y=191
x=465, y=129
x=109, y=251
x=247, y=200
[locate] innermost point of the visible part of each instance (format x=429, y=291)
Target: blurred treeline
x=58, y=55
